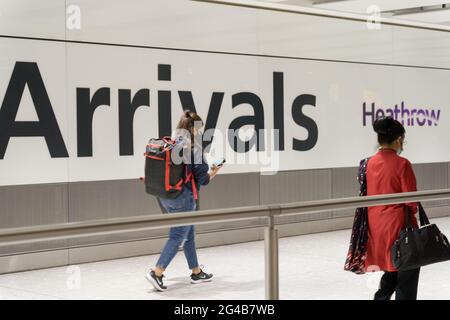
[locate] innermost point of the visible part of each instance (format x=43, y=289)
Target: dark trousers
x=403, y=283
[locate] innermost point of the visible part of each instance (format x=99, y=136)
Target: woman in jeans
x=187, y=135
x=386, y=173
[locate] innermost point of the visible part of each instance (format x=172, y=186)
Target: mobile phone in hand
x=219, y=162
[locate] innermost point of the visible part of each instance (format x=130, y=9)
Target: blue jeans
x=183, y=236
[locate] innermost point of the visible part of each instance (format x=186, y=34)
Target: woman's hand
x=213, y=171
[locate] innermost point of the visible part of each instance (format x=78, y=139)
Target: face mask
x=400, y=150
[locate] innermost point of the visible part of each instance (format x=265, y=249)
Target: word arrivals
x=27, y=74
x=407, y=116
x=185, y=310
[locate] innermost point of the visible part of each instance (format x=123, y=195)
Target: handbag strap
x=422, y=216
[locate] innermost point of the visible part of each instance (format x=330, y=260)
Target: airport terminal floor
x=311, y=267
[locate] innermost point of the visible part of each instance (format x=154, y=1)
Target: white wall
x=222, y=49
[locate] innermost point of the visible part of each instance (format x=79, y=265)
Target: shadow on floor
x=181, y=288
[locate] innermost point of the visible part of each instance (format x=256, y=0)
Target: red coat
x=387, y=173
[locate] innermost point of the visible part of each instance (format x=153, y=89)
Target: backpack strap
x=167, y=172
x=190, y=177
x=194, y=187
x=167, y=185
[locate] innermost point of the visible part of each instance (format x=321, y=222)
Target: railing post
x=271, y=257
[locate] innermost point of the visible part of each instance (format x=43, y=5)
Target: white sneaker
x=201, y=277
x=156, y=281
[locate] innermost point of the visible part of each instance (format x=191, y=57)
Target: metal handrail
x=13, y=236
x=144, y=222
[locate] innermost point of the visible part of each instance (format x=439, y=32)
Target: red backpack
x=163, y=178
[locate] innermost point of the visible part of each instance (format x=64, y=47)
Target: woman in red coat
x=386, y=173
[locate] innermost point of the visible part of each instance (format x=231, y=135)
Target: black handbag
x=417, y=247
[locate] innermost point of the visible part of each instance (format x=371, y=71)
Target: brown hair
x=187, y=122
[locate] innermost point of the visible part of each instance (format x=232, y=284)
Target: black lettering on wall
x=164, y=102
x=85, y=114
x=213, y=116
x=278, y=108
x=187, y=102
x=306, y=122
x=127, y=109
x=257, y=120
x=164, y=113
x=27, y=73
x=164, y=72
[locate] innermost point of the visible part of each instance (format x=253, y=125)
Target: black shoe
x=201, y=277
x=156, y=281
